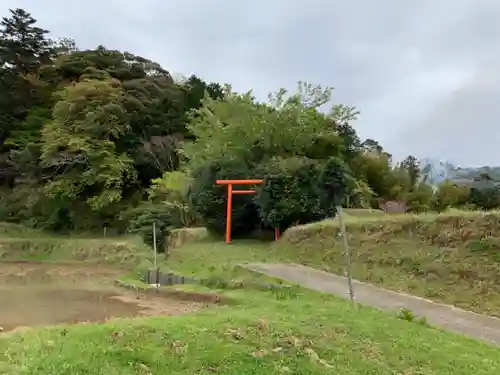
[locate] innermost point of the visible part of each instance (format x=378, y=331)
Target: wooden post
x=229, y=210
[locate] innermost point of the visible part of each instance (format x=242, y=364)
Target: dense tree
x=484, y=192
x=78, y=144
x=24, y=48
x=209, y=199
x=105, y=137
x=412, y=166
x=292, y=193
x=286, y=141
x=89, y=127
x=449, y=195
x=239, y=127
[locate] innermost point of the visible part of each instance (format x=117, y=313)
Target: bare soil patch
x=34, y=294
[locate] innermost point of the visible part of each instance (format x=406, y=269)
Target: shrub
x=27, y=205
x=141, y=221
x=299, y=190
x=333, y=184
x=210, y=199
x=171, y=191
x=485, y=196
x=449, y=195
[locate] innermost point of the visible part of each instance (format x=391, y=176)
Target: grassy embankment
x=452, y=257
x=276, y=332
x=23, y=244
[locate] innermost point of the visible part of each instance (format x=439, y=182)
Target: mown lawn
x=294, y=332
x=216, y=258
x=286, y=331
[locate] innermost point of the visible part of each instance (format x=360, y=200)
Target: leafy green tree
x=238, y=127
x=411, y=164
x=103, y=137
x=24, y=48
x=350, y=140
x=300, y=190
x=210, y=199
x=23, y=45
x=286, y=141
x=171, y=191
x=486, y=199
x=152, y=110
x=141, y=223
x=449, y=195
x=420, y=198
x=375, y=170
x=372, y=146
x=485, y=193
x=78, y=144
x=291, y=193
x=359, y=194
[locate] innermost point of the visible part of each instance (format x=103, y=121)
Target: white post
x=155, y=254
x=154, y=245
x=347, y=253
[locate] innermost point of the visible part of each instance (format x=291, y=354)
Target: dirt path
x=440, y=315
x=38, y=294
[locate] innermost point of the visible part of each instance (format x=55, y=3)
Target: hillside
x=450, y=257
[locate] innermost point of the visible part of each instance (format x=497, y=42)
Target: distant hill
x=437, y=171
x=493, y=172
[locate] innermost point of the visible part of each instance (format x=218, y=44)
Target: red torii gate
x=229, y=206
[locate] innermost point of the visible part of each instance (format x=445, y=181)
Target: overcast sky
x=425, y=74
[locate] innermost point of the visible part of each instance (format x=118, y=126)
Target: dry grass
x=18, y=243
x=179, y=237
x=452, y=257
x=116, y=251
x=359, y=212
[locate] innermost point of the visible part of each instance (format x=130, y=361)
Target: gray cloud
x=423, y=73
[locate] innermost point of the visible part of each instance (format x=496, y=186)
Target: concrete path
x=440, y=315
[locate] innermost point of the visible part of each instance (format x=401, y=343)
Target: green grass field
x=268, y=333
x=292, y=331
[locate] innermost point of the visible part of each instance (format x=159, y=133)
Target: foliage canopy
x=100, y=137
